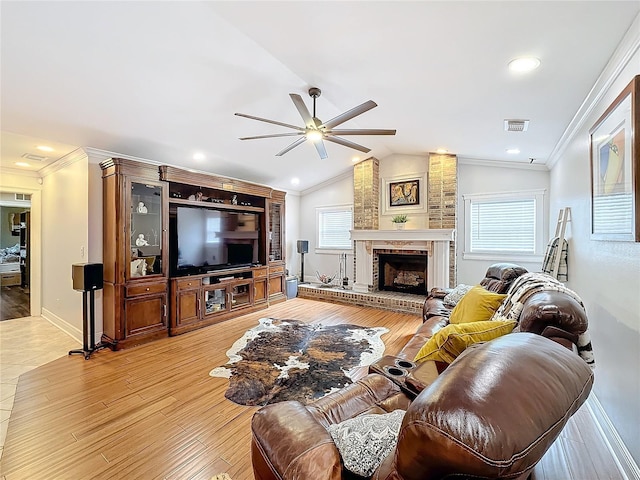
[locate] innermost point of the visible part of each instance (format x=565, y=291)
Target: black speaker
x=303, y=246
x=87, y=276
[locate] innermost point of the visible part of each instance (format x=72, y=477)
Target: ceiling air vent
x=34, y=157
x=516, y=125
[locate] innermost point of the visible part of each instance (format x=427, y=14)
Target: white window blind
x=503, y=226
x=333, y=228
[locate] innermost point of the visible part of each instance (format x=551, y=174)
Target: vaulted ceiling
x=162, y=80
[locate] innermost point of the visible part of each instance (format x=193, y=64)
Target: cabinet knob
x=147, y=289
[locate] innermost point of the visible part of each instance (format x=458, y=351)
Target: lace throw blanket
x=528, y=284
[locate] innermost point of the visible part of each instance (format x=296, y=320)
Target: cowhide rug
x=291, y=360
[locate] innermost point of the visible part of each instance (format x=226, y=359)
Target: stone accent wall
x=366, y=198
x=443, y=199
x=366, y=194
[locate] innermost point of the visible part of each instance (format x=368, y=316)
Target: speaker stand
x=88, y=327
x=302, y=269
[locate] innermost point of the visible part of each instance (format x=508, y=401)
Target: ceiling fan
x=316, y=131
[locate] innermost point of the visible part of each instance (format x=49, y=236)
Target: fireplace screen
x=403, y=273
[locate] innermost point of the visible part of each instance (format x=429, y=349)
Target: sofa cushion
x=456, y=294
x=452, y=340
x=476, y=305
x=365, y=441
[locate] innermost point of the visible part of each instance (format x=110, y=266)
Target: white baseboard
x=626, y=463
x=63, y=325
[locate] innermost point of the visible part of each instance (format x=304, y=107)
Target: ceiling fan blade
x=269, y=121
x=303, y=110
x=362, y=131
x=320, y=148
x=347, y=143
x=273, y=135
x=349, y=114
x=291, y=147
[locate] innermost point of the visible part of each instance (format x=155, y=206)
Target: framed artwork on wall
x=402, y=194
x=615, y=169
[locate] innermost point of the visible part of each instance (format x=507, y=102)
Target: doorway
x=15, y=255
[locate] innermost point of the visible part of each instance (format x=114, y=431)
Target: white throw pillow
x=454, y=297
x=365, y=441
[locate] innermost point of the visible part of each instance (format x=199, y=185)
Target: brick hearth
x=398, y=302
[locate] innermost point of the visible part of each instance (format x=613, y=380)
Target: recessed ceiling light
x=22, y=164
x=442, y=150
x=44, y=148
x=295, y=180
x=198, y=156
x=513, y=151
x=524, y=64
x=355, y=159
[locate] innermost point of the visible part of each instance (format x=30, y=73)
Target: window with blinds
x=334, y=224
x=504, y=226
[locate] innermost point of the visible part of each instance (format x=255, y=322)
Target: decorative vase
x=399, y=226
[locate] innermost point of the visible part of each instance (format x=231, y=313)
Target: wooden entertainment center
x=146, y=294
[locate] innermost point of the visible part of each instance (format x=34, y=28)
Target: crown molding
x=503, y=164
x=96, y=156
x=63, y=162
x=19, y=172
x=617, y=63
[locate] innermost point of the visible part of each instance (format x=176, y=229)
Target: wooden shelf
x=217, y=206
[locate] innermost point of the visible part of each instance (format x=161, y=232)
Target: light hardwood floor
x=153, y=412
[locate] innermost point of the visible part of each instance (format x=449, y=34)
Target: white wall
x=65, y=241
x=339, y=191
x=292, y=232
x=474, y=178
x=606, y=275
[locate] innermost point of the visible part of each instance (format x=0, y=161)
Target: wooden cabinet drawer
x=260, y=272
x=145, y=289
x=10, y=278
x=276, y=270
x=188, y=283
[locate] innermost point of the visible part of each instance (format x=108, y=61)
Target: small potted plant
x=399, y=221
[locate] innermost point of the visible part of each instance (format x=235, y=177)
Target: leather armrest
x=422, y=376
x=553, y=309
x=288, y=443
x=439, y=292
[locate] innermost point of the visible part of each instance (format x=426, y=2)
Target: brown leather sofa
x=492, y=413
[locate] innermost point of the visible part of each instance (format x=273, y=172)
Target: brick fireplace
x=434, y=243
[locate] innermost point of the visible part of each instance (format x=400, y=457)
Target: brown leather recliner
x=492, y=413
x=498, y=279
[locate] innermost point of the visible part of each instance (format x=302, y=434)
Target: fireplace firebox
x=402, y=273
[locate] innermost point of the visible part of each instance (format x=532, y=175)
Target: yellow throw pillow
x=446, y=344
x=477, y=305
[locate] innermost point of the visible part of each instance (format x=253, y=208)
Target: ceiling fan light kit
x=316, y=131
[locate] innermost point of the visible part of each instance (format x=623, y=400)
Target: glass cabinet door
x=241, y=295
x=215, y=300
x=146, y=230
x=275, y=232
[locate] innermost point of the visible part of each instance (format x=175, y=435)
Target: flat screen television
x=209, y=239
